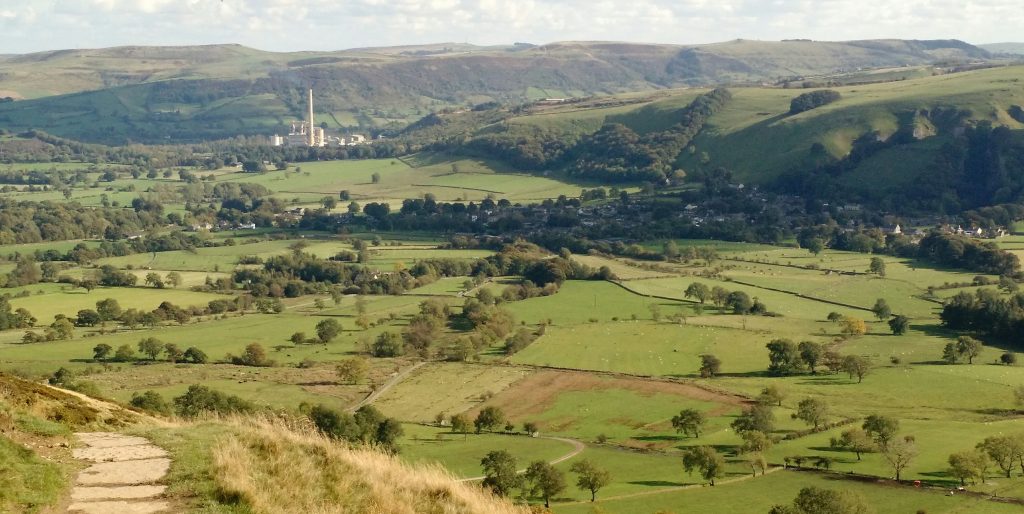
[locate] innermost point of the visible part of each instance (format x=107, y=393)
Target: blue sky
x=286, y=25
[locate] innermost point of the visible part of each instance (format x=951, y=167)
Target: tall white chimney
x=312, y=138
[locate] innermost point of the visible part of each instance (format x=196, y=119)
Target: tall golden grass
x=273, y=466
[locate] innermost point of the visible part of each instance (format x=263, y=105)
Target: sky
x=292, y=25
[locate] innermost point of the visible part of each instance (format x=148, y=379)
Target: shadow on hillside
x=659, y=438
x=656, y=483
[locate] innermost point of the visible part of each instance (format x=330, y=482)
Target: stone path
x=122, y=475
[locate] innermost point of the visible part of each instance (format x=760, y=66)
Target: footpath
x=121, y=477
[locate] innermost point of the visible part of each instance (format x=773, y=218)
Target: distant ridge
x=1004, y=48
x=193, y=93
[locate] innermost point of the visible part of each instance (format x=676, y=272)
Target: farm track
x=393, y=381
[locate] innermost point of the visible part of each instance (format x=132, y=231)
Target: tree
x=783, y=357
x=899, y=324
x=705, y=460
x=900, y=453
x=387, y=344
x=856, y=365
x=500, y=472
x=174, y=279
x=810, y=354
x=489, y=418
x=969, y=465
x=151, y=346
x=352, y=370
x=195, y=355
x=815, y=500
x=1004, y=450
x=881, y=309
x=1008, y=358
x=62, y=328
x=855, y=440
x=812, y=411
x=124, y=353
x=327, y=330
x=155, y=280
x=709, y=365
x=174, y=354
x=101, y=351
x=758, y=417
x=375, y=178
x=755, y=442
x=108, y=309
x=253, y=355
x=969, y=347
x=698, y=291
x=591, y=477
x=739, y=302
x=771, y=395
x=531, y=428
x=719, y=295
x=881, y=428
x=853, y=326
x=689, y=421
x=87, y=318
x=460, y=424
x=950, y=353
x=353, y=208
x=877, y=266
x=544, y=481
x=834, y=317
x=329, y=203
x=814, y=245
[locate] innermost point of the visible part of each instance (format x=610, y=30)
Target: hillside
x=208, y=472
x=155, y=94
x=869, y=145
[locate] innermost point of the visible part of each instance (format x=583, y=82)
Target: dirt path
x=577, y=448
x=376, y=393
x=122, y=476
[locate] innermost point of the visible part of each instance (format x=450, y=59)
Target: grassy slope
x=755, y=137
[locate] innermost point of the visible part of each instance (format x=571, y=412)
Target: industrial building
x=306, y=133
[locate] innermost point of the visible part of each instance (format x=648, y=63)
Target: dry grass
x=271, y=467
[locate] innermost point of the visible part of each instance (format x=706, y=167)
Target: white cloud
x=310, y=25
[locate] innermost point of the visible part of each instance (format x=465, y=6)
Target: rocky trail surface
x=122, y=476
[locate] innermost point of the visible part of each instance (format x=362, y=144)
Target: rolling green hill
x=159, y=94
x=875, y=142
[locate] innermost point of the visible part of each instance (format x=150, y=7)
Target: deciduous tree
x=590, y=477
x=689, y=421
x=500, y=472
x=544, y=480
x=705, y=460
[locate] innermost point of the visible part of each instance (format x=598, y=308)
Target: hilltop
x=156, y=94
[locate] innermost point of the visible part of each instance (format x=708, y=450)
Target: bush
x=812, y=100
x=151, y=401
x=199, y=399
